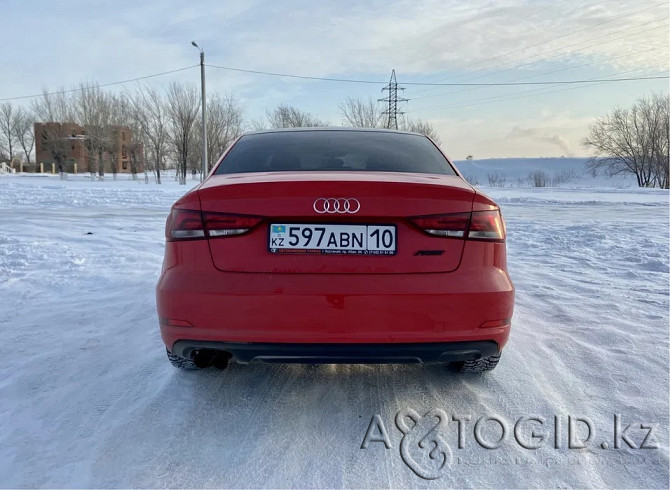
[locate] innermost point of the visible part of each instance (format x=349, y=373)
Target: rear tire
x=181, y=362
x=480, y=365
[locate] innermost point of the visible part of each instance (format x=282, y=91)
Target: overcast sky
x=54, y=44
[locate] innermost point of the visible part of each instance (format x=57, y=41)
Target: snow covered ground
x=88, y=399
x=558, y=172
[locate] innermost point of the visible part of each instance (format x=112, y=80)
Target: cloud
x=417, y=38
x=560, y=141
x=540, y=135
x=428, y=40
x=440, y=35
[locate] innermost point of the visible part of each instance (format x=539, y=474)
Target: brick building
x=69, y=140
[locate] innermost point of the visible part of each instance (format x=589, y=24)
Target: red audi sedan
x=335, y=246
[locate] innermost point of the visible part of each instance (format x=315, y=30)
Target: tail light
x=186, y=224
x=487, y=225
x=447, y=225
x=222, y=224
x=478, y=225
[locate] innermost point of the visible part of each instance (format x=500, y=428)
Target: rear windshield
x=334, y=150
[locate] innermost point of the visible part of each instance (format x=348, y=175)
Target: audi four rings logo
x=337, y=205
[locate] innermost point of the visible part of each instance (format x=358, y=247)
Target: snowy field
x=88, y=399
x=558, y=172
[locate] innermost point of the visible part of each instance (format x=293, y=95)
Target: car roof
x=333, y=128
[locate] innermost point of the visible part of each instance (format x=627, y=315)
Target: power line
x=551, y=72
x=99, y=85
x=287, y=75
x=529, y=93
x=553, y=82
x=429, y=84
x=541, y=56
x=329, y=79
x=520, y=95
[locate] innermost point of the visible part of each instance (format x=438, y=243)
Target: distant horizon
x=522, y=158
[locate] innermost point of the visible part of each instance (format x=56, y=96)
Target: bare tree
x=55, y=139
x=538, y=178
x=25, y=132
x=134, y=152
x=224, y=124
x=633, y=141
x=8, y=129
x=103, y=117
x=194, y=161
x=284, y=116
x=496, y=179
x=419, y=126
x=259, y=124
x=368, y=114
x=118, y=107
x=659, y=119
x=183, y=102
x=94, y=112
x=131, y=148
x=360, y=113
x=55, y=108
x=150, y=114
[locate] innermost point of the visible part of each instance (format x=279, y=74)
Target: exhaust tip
x=204, y=358
x=221, y=360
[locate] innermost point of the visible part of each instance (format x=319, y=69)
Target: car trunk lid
x=381, y=200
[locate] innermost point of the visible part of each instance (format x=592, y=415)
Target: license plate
x=333, y=239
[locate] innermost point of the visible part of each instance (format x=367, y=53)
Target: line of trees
x=16, y=132
x=634, y=140
x=166, y=124
x=369, y=114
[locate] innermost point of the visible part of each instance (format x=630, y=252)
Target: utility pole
x=392, y=101
x=204, y=98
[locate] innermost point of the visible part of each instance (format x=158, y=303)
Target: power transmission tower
x=392, y=101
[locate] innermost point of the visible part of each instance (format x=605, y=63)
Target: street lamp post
x=204, y=128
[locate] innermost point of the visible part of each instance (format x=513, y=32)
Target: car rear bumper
x=197, y=302
x=343, y=353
